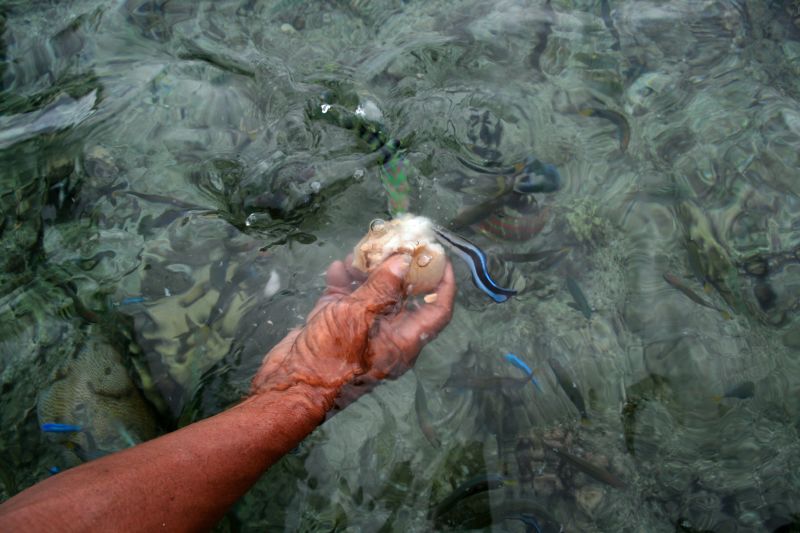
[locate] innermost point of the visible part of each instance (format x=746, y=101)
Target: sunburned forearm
x=185, y=480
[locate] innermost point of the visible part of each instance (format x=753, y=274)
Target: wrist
x=316, y=383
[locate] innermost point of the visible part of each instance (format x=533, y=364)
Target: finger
x=384, y=287
x=427, y=321
x=338, y=277
x=356, y=274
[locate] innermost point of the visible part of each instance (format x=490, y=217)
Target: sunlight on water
x=177, y=175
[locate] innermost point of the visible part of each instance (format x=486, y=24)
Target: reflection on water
x=173, y=185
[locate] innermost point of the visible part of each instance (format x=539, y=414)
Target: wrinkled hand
x=357, y=334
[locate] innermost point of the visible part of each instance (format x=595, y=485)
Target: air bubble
x=377, y=225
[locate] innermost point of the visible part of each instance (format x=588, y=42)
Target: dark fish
x=605, y=13
x=475, y=485
x=569, y=387
x=157, y=198
x=743, y=390
x=531, y=524
x=424, y=417
x=618, y=119
x=676, y=282
x=581, y=304
x=476, y=261
x=592, y=470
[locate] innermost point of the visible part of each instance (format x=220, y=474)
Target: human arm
x=186, y=480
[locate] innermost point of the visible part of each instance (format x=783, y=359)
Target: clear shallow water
x=162, y=161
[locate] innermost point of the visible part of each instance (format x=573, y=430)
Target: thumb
x=385, y=285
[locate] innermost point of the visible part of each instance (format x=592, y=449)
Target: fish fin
x=726, y=315
x=588, y=112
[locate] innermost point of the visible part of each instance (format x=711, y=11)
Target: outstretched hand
x=358, y=334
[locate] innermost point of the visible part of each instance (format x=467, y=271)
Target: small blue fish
x=476, y=261
x=519, y=363
x=53, y=470
x=52, y=427
x=132, y=300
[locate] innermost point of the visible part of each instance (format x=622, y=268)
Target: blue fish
x=519, y=363
x=132, y=300
x=53, y=470
x=52, y=427
x=476, y=261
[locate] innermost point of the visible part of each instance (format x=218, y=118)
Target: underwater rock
x=406, y=234
x=94, y=391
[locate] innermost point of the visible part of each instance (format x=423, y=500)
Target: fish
x=481, y=483
x=569, y=387
x=515, y=225
x=132, y=300
x=605, y=14
x=476, y=213
x=424, y=416
x=531, y=524
x=475, y=259
x=537, y=177
x=52, y=427
x=581, y=304
x=741, y=391
x=395, y=183
x=519, y=363
x=514, y=192
x=676, y=282
x=618, y=119
x=161, y=199
x=600, y=474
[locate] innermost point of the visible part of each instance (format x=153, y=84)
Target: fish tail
x=536, y=382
